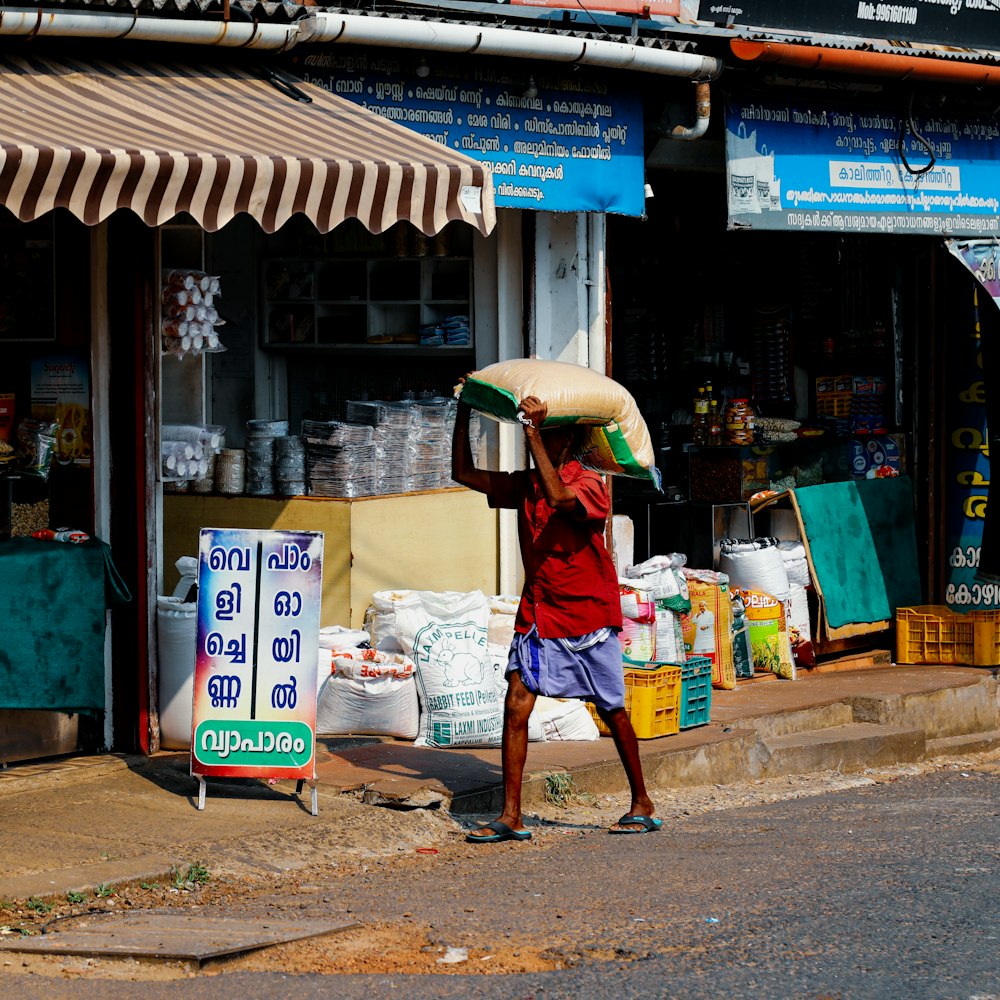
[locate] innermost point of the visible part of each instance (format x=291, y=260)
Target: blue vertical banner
x=967, y=462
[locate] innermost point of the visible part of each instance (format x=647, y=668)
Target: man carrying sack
x=565, y=643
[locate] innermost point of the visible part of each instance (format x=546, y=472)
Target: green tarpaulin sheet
x=55, y=596
x=863, y=546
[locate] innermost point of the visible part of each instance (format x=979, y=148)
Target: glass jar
x=739, y=422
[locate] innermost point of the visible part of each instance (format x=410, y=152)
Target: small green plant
x=104, y=890
x=194, y=874
x=75, y=897
x=149, y=885
x=38, y=905
x=560, y=788
x=7, y=904
x=198, y=874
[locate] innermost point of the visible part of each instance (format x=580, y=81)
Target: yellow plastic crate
x=652, y=701
x=933, y=633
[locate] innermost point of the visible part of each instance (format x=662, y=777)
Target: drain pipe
x=472, y=39
x=228, y=34
x=702, y=112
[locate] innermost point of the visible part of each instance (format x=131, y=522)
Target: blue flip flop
x=501, y=831
x=647, y=824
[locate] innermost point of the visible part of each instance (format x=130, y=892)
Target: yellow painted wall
x=442, y=540
x=445, y=540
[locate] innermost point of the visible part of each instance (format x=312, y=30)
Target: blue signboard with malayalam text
x=555, y=142
x=795, y=166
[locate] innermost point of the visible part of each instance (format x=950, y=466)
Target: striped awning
x=216, y=141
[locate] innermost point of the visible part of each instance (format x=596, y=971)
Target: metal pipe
x=397, y=32
x=702, y=112
x=228, y=34
x=871, y=63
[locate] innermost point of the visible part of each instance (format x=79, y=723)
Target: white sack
x=374, y=695
x=339, y=637
x=754, y=565
x=566, y=720
x=446, y=635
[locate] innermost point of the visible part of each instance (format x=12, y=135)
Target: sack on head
x=617, y=440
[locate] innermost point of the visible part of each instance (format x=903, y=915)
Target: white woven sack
x=566, y=720
x=384, y=705
x=754, y=565
x=446, y=635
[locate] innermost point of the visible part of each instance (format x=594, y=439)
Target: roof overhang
x=217, y=141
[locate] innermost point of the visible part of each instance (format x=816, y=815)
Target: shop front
x=815, y=243
x=98, y=246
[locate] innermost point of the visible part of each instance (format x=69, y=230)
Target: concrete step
x=849, y=748
x=966, y=743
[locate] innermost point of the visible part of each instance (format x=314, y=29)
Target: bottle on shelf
x=699, y=423
x=714, y=423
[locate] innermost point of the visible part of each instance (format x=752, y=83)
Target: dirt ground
x=388, y=947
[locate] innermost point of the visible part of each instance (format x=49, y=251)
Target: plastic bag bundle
x=337, y=432
x=617, y=440
x=189, y=317
x=260, y=450
x=662, y=576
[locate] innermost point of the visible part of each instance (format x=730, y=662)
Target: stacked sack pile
x=426, y=667
x=776, y=608
x=672, y=613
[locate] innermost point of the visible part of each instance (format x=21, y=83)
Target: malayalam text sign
x=553, y=143
x=254, y=711
x=793, y=166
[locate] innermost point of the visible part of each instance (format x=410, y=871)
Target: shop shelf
x=652, y=700
x=696, y=692
x=932, y=633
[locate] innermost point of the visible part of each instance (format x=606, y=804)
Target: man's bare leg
x=514, y=750
x=628, y=750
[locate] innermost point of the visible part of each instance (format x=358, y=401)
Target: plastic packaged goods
x=340, y=470
x=35, y=445
x=188, y=313
x=230, y=471
x=73, y=535
x=290, y=465
x=739, y=422
x=337, y=432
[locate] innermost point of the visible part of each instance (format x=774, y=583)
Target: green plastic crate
x=696, y=691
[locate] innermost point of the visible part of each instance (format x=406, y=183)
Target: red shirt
x=570, y=583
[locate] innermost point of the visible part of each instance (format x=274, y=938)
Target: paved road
x=886, y=891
